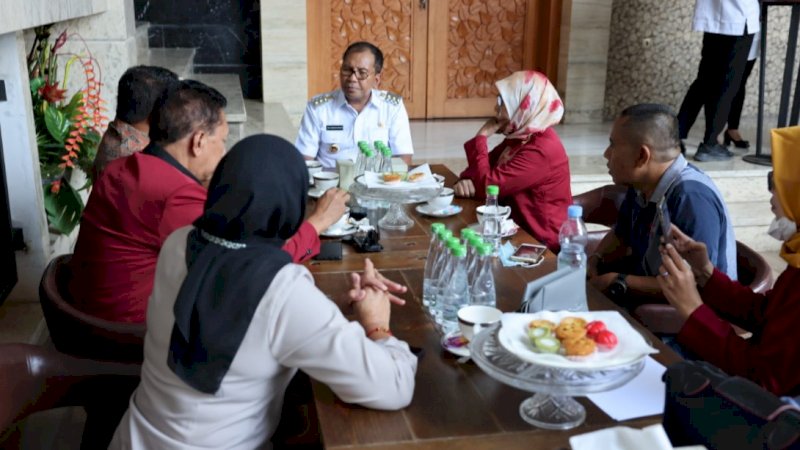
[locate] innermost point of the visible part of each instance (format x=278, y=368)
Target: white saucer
x=339, y=232
x=479, y=228
x=428, y=210
x=458, y=351
x=315, y=193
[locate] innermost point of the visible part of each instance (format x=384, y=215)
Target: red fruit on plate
x=606, y=340
x=594, y=327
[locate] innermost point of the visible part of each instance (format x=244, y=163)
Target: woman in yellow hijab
x=771, y=357
x=530, y=166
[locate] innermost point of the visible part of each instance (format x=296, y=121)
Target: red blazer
x=136, y=203
x=533, y=179
x=771, y=357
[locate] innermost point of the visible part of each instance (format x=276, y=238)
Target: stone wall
x=653, y=56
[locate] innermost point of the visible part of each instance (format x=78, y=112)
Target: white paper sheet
x=623, y=438
x=641, y=397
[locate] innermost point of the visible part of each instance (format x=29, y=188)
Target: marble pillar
x=284, y=55
x=110, y=37
x=21, y=159
x=586, y=56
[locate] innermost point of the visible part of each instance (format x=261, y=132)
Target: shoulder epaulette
x=321, y=99
x=391, y=97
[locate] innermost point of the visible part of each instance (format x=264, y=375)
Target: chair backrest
x=33, y=379
x=752, y=269
x=79, y=334
x=601, y=205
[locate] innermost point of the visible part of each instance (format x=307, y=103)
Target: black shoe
x=727, y=139
x=712, y=152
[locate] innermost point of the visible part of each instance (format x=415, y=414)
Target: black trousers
x=719, y=76
x=738, y=101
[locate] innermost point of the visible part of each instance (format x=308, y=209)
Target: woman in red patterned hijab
x=530, y=166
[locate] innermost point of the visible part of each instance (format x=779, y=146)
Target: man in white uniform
x=334, y=122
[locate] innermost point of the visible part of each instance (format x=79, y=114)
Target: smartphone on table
x=529, y=253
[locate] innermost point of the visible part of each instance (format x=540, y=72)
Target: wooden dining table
x=455, y=405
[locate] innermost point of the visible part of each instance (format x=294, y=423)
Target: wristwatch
x=618, y=287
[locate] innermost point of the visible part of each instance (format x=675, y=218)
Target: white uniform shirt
x=727, y=17
x=331, y=128
x=295, y=326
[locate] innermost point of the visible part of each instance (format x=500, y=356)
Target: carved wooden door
x=398, y=27
x=473, y=43
x=442, y=56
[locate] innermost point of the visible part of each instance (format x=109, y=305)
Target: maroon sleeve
x=715, y=341
x=733, y=302
x=304, y=245
x=182, y=208
x=522, y=171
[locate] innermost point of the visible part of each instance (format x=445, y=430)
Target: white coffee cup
x=473, y=318
x=443, y=200
x=326, y=180
x=503, y=211
x=313, y=167
x=342, y=222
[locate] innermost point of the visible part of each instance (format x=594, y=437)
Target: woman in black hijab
x=231, y=319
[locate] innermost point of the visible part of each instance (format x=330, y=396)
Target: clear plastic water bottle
x=387, y=159
x=434, y=249
x=492, y=219
x=370, y=161
x=361, y=162
x=482, y=289
x=472, y=255
x=573, y=240
x=456, y=294
x=442, y=278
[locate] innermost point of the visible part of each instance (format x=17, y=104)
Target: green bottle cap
x=378, y=144
x=368, y=153
x=453, y=242
x=485, y=249
x=437, y=227
x=387, y=152
x=475, y=240
x=458, y=251
x=467, y=232
x=493, y=189
x=362, y=144
x=445, y=235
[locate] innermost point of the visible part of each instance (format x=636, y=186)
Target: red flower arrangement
x=67, y=132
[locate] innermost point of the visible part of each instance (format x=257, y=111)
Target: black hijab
x=256, y=201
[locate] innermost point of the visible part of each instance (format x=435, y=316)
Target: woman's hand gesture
x=695, y=253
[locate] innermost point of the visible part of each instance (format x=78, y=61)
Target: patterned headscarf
x=532, y=103
x=785, y=161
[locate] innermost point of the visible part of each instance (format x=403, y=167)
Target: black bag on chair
x=706, y=406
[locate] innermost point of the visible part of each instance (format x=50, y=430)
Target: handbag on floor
x=706, y=406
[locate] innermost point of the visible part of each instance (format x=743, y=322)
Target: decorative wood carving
x=385, y=23
x=485, y=44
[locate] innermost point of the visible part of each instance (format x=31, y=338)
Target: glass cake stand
x=552, y=406
x=396, y=217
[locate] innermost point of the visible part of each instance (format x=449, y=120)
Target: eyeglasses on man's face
x=361, y=74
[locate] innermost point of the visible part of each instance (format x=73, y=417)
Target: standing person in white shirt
x=334, y=122
x=728, y=28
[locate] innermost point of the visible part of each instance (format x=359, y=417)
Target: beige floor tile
x=19, y=321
